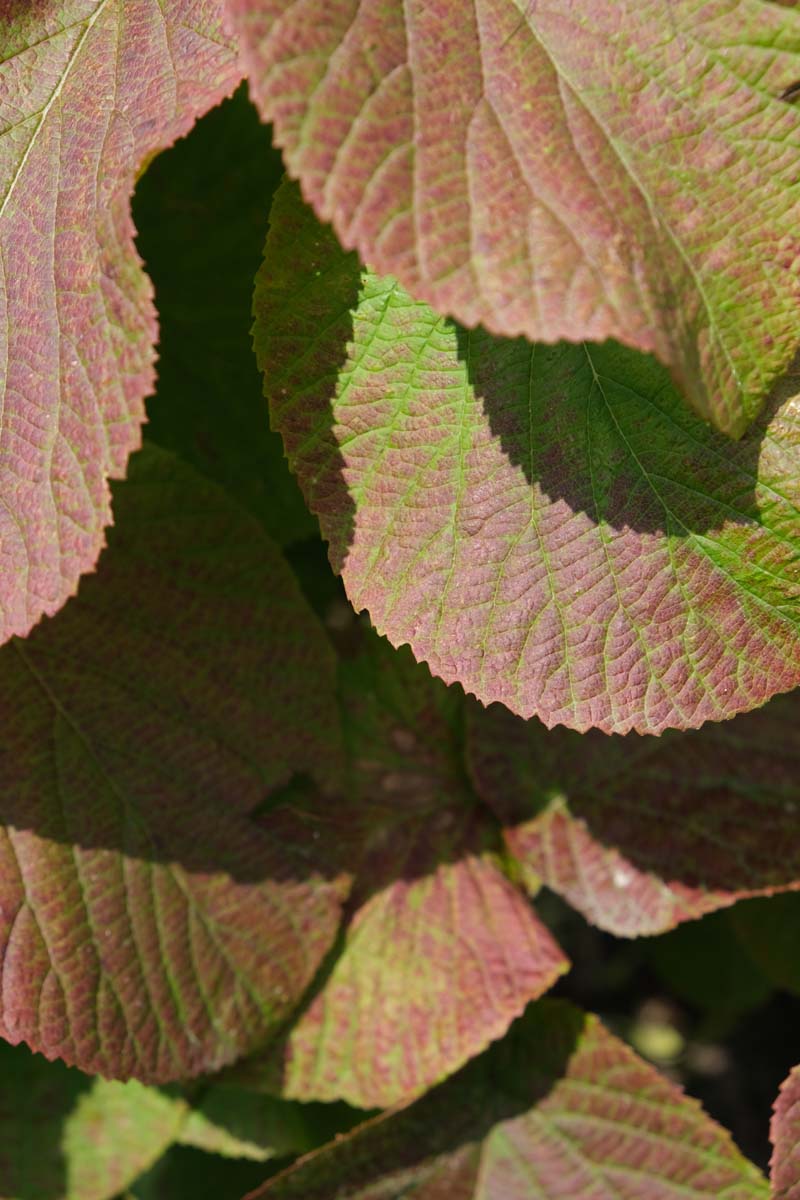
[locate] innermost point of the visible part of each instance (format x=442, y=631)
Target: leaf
x=770, y=931
x=89, y=91
x=148, y=926
x=441, y=952
x=640, y=833
x=559, y=1109
x=629, y=173
x=704, y=963
x=65, y=1135
x=200, y=211
x=546, y=525
x=785, y=1133
x=242, y=1124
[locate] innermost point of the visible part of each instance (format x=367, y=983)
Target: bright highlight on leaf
x=558, y=1110
x=622, y=170
x=637, y=833
x=89, y=91
x=547, y=525
x=148, y=926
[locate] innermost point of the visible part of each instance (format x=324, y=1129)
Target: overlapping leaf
x=548, y=526
x=626, y=172
x=147, y=926
x=441, y=952
x=785, y=1132
x=243, y=1124
x=89, y=90
x=199, y=212
x=560, y=1109
x=66, y=1137
x=641, y=833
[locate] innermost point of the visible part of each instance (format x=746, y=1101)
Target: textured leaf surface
x=640, y=833
x=547, y=525
x=544, y=169
x=147, y=926
x=89, y=89
x=559, y=1109
x=442, y=952
x=64, y=1136
x=785, y=1132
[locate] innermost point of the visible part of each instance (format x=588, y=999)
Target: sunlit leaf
x=148, y=926
x=64, y=1136
x=626, y=170
x=640, y=833
x=560, y=1109
x=547, y=525
x=442, y=952
x=785, y=1132
x=89, y=90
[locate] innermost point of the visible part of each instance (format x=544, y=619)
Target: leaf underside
x=559, y=1109
x=89, y=91
x=547, y=525
x=623, y=171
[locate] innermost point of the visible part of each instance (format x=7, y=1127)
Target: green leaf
x=560, y=1109
x=148, y=926
x=64, y=1136
x=89, y=91
x=547, y=525
x=244, y=1124
x=200, y=211
x=627, y=171
x=640, y=833
x=704, y=963
x=770, y=932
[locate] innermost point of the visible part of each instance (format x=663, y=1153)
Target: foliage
x=292, y=847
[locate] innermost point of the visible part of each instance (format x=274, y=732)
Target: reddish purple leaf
x=442, y=952
x=548, y=526
x=641, y=833
x=785, y=1132
x=627, y=171
x=560, y=1110
x=89, y=91
x=148, y=926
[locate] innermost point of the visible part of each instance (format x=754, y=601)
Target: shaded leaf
x=89, y=90
x=546, y=525
x=640, y=833
x=148, y=926
x=199, y=211
x=557, y=1110
x=63, y=1135
x=628, y=173
x=704, y=963
x=244, y=1124
x=785, y=1133
x=770, y=932
x=441, y=952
